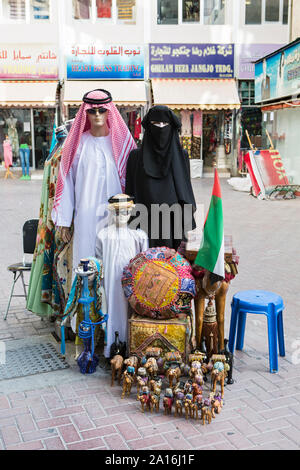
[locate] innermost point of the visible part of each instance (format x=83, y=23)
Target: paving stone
x=145, y=443
x=128, y=431
x=82, y=422
x=53, y=422
x=25, y=423
x=98, y=432
x=67, y=411
x=267, y=437
x=37, y=445
x=293, y=434
x=10, y=435
x=54, y=443
x=115, y=442
x=69, y=433
x=87, y=445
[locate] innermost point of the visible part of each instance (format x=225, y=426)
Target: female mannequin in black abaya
x=159, y=173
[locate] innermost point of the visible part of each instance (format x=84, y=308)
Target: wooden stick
x=249, y=140
x=269, y=137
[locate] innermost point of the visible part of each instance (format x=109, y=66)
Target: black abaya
x=159, y=173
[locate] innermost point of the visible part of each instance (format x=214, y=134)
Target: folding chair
x=18, y=269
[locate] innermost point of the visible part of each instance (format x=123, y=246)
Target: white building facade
x=192, y=55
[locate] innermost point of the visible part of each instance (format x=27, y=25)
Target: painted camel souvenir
x=116, y=368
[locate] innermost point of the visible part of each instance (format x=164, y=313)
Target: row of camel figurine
x=185, y=396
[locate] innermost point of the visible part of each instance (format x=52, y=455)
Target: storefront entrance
x=210, y=138
x=44, y=120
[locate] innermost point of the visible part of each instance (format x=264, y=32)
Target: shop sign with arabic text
x=105, y=62
x=191, y=60
x=28, y=62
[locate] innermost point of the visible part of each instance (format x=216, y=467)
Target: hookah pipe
x=87, y=360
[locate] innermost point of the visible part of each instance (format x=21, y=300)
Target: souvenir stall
x=132, y=303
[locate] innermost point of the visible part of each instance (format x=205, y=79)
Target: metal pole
x=32, y=139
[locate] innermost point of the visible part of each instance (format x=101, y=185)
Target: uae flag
x=211, y=253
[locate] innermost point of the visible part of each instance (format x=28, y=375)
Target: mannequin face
x=121, y=217
x=97, y=118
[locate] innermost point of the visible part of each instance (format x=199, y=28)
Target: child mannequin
x=116, y=245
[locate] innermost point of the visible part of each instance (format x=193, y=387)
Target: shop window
x=266, y=11
x=16, y=125
x=14, y=10
x=247, y=92
x=214, y=12
x=126, y=11
x=190, y=11
x=81, y=9
x=272, y=10
x=167, y=11
x=104, y=8
x=253, y=12
x=40, y=10
x=285, y=18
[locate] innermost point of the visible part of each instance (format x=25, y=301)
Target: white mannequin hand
x=65, y=234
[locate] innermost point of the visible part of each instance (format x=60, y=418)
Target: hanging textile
x=57, y=269
x=45, y=241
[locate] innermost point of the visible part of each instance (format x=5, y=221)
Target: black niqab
x=159, y=172
x=160, y=143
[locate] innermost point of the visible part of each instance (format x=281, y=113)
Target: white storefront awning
x=124, y=92
x=28, y=94
x=196, y=94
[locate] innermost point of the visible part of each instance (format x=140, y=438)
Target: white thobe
x=116, y=246
x=93, y=178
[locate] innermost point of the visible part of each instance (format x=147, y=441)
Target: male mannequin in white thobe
x=116, y=245
x=92, y=169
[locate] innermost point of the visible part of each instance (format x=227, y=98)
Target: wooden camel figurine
x=127, y=384
x=188, y=405
x=218, y=376
x=206, y=413
x=173, y=374
x=151, y=367
x=196, y=407
x=168, y=401
x=216, y=405
x=116, y=368
x=155, y=399
x=145, y=399
x=208, y=286
x=132, y=361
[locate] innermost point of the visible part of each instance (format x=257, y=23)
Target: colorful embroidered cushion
x=158, y=283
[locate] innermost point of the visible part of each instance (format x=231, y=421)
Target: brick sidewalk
x=261, y=410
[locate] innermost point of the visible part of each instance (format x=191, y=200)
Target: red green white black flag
x=211, y=253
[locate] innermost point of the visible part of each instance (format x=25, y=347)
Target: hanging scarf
x=122, y=140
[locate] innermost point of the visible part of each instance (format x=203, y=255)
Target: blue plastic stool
x=258, y=301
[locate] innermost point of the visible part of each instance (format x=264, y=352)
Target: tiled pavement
x=71, y=411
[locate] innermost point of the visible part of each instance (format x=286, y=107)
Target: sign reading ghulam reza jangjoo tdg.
x=105, y=62
x=191, y=60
